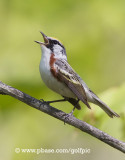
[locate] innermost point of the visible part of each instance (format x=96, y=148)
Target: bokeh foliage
x=93, y=33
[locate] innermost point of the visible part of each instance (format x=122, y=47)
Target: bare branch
x=42, y=106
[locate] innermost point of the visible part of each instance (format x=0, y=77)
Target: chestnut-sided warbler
x=59, y=76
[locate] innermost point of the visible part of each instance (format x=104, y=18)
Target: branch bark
x=71, y=120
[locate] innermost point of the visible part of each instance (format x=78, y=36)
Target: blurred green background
x=93, y=32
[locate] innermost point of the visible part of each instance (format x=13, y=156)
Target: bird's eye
x=55, y=42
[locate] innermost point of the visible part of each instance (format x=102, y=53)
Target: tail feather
x=108, y=110
x=95, y=99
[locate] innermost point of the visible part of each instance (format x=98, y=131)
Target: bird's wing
x=66, y=74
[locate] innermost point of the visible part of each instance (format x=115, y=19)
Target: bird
x=61, y=78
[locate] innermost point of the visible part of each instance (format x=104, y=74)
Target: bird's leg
x=71, y=113
x=60, y=100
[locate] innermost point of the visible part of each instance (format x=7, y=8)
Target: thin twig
x=71, y=120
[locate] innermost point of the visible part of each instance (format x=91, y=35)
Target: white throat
x=47, y=76
x=46, y=52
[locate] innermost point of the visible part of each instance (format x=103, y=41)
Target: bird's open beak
x=46, y=41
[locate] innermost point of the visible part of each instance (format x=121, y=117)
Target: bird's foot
x=46, y=102
x=42, y=100
x=69, y=115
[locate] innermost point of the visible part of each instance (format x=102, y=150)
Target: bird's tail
x=108, y=110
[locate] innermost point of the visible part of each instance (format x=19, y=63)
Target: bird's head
x=53, y=46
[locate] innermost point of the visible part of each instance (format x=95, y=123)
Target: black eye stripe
x=51, y=43
x=56, y=42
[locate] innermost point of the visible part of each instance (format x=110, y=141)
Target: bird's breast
x=48, y=75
